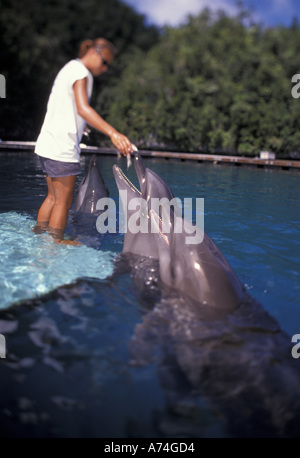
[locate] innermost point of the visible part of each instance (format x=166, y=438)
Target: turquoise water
x=79, y=324
x=253, y=215
x=31, y=266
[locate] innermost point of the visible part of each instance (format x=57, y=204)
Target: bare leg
x=48, y=204
x=54, y=211
x=63, y=191
x=45, y=209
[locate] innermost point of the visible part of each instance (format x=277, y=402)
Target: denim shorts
x=56, y=169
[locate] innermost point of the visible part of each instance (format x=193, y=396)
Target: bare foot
x=67, y=242
x=58, y=237
x=38, y=229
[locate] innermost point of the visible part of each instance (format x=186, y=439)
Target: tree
x=216, y=84
x=38, y=37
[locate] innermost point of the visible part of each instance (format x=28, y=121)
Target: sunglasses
x=104, y=61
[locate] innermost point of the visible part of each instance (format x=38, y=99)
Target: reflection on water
x=88, y=360
x=67, y=372
x=118, y=355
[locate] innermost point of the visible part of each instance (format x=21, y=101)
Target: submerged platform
x=284, y=164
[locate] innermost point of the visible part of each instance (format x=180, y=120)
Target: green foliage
x=38, y=37
x=213, y=85
x=216, y=84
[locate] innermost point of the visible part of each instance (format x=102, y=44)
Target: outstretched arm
x=94, y=119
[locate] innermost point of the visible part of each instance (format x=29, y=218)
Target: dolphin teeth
x=158, y=223
x=124, y=177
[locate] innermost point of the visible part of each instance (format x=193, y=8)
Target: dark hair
x=100, y=43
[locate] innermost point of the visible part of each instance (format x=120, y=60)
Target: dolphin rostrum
x=152, y=186
x=91, y=189
x=199, y=271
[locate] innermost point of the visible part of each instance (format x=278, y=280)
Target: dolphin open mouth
x=196, y=270
x=122, y=177
x=158, y=223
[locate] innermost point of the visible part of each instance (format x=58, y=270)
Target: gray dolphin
x=199, y=272
x=239, y=364
x=152, y=186
x=91, y=189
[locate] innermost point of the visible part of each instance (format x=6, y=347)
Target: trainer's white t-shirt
x=63, y=127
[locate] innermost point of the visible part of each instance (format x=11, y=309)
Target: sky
x=174, y=12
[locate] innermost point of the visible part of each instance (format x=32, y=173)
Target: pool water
x=71, y=326
x=32, y=266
